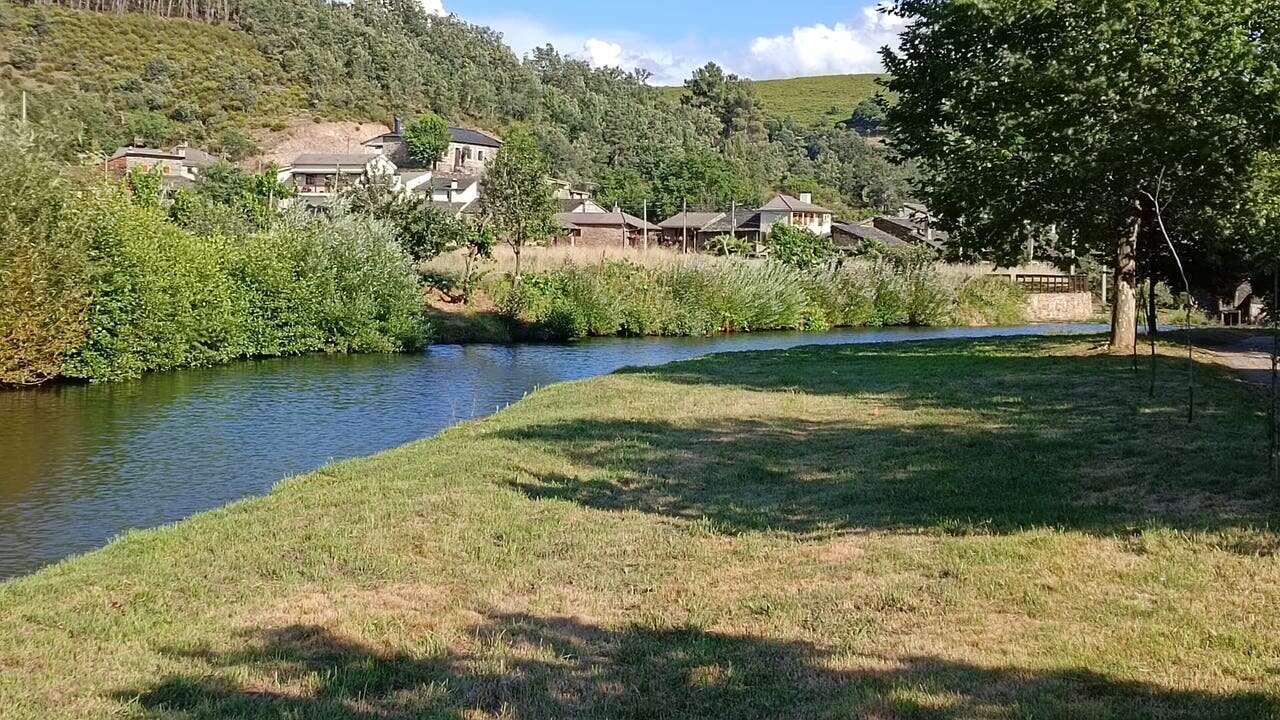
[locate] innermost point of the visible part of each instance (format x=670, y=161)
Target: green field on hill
x=823, y=100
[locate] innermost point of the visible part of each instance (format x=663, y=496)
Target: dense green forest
x=101, y=73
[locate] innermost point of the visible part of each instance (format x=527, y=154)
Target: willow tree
x=1087, y=116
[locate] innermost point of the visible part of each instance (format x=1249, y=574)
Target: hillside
x=262, y=78
x=824, y=100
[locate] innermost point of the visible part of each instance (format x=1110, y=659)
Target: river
x=80, y=464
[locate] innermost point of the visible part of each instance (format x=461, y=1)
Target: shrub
x=25, y=54
x=798, y=247
x=43, y=265
x=162, y=297
x=991, y=301
x=166, y=298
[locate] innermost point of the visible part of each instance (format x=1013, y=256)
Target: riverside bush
x=43, y=265
x=991, y=301
x=733, y=295
x=165, y=298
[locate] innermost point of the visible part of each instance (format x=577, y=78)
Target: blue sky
x=670, y=38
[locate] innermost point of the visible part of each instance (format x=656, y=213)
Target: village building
x=693, y=230
x=318, y=178
x=799, y=212
x=179, y=166
x=469, y=151
x=688, y=230
x=857, y=237
x=584, y=223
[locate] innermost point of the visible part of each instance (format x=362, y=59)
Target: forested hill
x=218, y=73
x=821, y=100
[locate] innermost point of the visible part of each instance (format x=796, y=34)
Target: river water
x=80, y=464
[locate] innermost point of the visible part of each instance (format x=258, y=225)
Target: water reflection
x=81, y=464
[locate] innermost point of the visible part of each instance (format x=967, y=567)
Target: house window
x=480, y=155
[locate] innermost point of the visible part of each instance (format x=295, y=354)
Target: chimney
x=806, y=198
x=397, y=125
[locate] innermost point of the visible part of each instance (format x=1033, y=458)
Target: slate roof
x=693, y=220
x=748, y=221
x=145, y=152
x=473, y=137
x=867, y=232
x=333, y=159
x=463, y=136
x=569, y=220
x=785, y=203
x=443, y=181
x=194, y=157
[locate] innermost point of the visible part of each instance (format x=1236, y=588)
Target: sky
x=755, y=38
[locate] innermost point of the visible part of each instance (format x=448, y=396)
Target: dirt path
x=1247, y=353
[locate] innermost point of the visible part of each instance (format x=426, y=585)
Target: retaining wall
x=1060, y=307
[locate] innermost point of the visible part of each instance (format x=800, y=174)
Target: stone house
x=584, y=223
x=179, y=166
x=469, y=151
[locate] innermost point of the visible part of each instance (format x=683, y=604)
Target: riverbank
x=661, y=294
x=945, y=529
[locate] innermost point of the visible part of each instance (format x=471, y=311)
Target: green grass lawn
x=979, y=529
x=824, y=100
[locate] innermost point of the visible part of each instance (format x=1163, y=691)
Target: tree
x=798, y=247
x=25, y=54
x=1081, y=115
x=518, y=205
x=867, y=117
x=427, y=139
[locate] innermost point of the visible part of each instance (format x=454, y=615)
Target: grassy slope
x=215, y=70
x=824, y=100
x=941, y=530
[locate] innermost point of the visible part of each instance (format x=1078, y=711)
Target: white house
x=319, y=177
x=800, y=212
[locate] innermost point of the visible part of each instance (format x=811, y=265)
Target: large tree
x=518, y=205
x=1087, y=116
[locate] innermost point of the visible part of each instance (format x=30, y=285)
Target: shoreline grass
x=957, y=529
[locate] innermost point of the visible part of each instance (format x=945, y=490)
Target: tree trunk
x=515, y=248
x=1124, y=303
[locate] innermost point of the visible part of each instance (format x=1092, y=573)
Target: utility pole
x=684, y=234
x=733, y=224
x=24, y=107
x=646, y=225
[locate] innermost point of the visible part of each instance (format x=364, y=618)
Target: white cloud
x=601, y=53
x=620, y=50
x=849, y=46
x=824, y=49
x=434, y=7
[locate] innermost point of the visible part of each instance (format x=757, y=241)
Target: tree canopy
x=1078, y=116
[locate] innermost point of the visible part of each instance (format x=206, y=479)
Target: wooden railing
x=1044, y=284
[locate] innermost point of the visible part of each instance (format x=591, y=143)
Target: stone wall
x=1060, y=307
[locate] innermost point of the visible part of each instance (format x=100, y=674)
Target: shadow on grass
x=524, y=667
x=928, y=439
